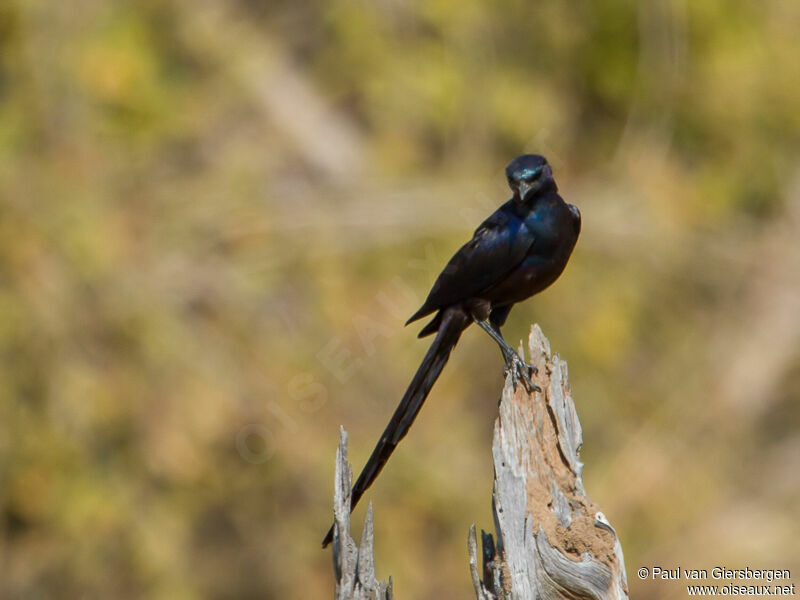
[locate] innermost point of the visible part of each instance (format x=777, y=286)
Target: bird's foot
x=520, y=369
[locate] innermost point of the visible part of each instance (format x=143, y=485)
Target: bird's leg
x=505, y=347
x=514, y=362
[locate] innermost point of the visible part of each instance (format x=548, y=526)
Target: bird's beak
x=524, y=188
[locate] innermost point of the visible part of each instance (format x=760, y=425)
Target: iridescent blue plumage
x=517, y=252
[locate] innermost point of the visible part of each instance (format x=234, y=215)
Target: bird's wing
x=498, y=245
x=576, y=218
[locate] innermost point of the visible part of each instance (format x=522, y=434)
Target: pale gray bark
x=552, y=540
x=354, y=566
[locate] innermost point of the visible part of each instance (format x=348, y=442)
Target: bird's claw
x=519, y=368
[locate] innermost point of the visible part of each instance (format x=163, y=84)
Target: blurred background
x=215, y=218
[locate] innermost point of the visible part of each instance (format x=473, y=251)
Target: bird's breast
x=554, y=237
x=545, y=230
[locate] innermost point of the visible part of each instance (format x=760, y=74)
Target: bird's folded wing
x=497, y=246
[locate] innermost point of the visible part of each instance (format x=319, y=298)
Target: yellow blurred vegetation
x=216, y=216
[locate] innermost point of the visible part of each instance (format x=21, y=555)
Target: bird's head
x=527, y=174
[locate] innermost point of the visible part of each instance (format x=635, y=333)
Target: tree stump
x=354, y=566
x=552, y=540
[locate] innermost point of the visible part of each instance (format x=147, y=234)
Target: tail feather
x=432, y=326
x=453, y=322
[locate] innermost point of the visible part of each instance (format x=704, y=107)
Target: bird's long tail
x=454, y=321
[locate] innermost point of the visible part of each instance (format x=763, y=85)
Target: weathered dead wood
x=354, y=566
x=552, y=540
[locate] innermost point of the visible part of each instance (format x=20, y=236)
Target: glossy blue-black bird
x=517, y=252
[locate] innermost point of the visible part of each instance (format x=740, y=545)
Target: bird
x=520, y=250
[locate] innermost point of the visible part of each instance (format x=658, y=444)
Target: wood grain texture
x=354, y=566
x=553, y=542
